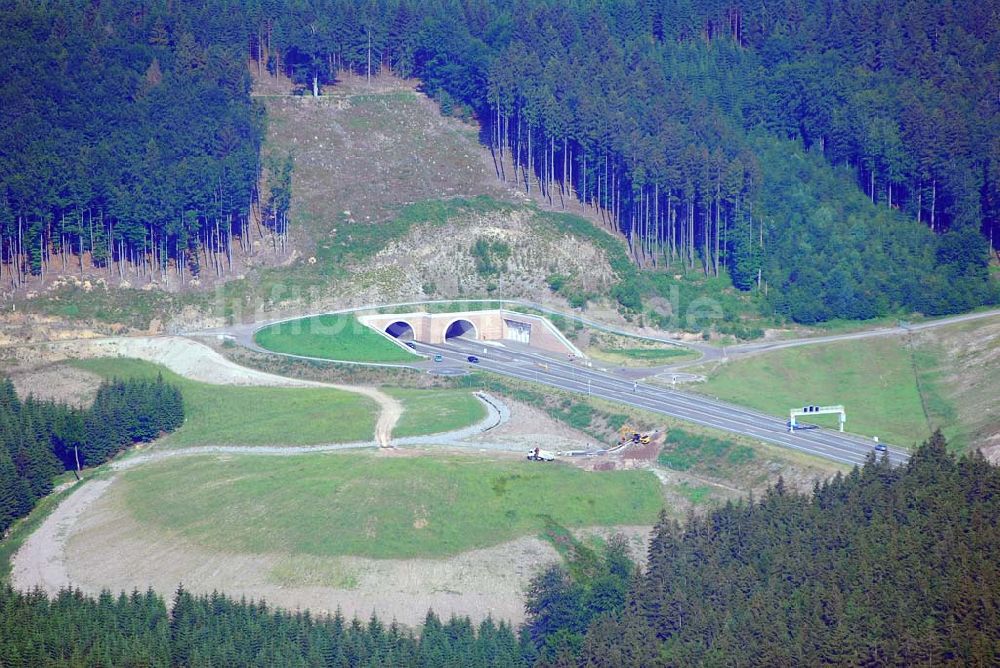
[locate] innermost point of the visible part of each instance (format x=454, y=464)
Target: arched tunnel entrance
x=461, y=329
x=400, y=330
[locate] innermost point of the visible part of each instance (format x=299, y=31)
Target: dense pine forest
x=130, y=143
x=883, y=566
x=41, y=439
x=704, y=132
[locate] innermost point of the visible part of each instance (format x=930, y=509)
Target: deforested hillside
x=803, y=163
x=393, y=201
x=650, y=114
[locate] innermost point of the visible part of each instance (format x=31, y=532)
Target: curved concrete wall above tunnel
x=493, y=325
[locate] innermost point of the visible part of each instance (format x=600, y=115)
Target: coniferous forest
x=883, y=566
x=41, y=439
x=735, y=137
x=836, y=158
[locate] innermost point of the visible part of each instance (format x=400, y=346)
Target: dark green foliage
x=651, y=111
x=215, y=630
x=834, y=254
x=882, y=566
x=128, y=137
x=563, y=600
x=40, y=439
x=127, y=412
x=490, y=257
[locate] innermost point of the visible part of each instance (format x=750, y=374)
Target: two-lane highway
x=575, y=377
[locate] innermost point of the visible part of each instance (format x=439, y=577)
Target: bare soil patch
x=529, y=427
x=363, y=150
x=969, y=369
x=58, y=382
x=645, y=452
x=41, y=561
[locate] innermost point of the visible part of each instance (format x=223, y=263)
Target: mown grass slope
x=875, y=380
x=360, y=504
x=230, y=415
x=333, y=337
x=435, y=411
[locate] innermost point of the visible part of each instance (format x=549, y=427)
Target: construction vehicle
x=628, y=434
x=538, y=455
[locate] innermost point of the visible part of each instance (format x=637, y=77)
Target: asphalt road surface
x=575, y=376
x=846, y=448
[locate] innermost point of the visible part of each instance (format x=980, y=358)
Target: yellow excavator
x=627, y=433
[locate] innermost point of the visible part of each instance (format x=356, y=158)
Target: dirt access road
x=92, y=542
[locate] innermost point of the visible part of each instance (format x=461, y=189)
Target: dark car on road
x=473, y=359
x=881, y=448
x=411, y=344
x=439, y=358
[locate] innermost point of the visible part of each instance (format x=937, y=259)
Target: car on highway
x=439, y=358
x=411, y=344
x=880, y=447
x=473, y=359
x=800, y=425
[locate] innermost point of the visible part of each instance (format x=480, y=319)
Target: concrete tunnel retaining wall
x=493, y=325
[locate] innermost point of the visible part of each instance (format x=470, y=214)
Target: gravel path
x=41, y=561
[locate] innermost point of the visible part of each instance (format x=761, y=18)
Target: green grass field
x=696, y=494
x=363, y=505
x=699, y=453
x=873, y=378
x=435, y=411
x=230, y=415
x=334, y=337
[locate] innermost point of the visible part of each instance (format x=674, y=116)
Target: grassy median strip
x=231, y=415
x=363, y=505
x=333, y=337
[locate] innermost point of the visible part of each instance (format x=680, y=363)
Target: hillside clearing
x=873, y=378
x=363, y=505
x=226, y=415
